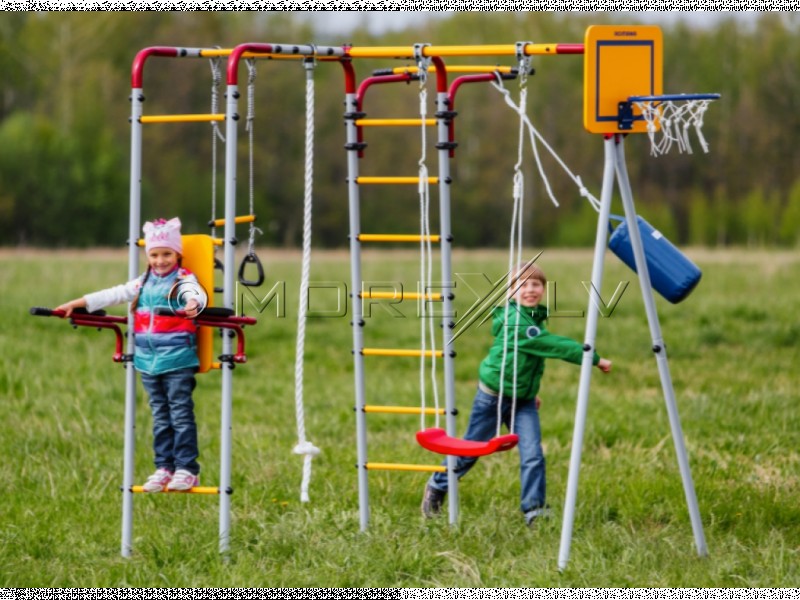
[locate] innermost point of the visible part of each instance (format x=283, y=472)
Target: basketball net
x=669, y=122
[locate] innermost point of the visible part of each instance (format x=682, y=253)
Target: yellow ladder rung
x=236, y=220
x=391, y=237
x=403, y=410
x=398, y=467
x=399, y=296
x=181, y=118
x=206, y=491
x=393, y=180
x=217, y=242
x=401, y=353
x=394, y=122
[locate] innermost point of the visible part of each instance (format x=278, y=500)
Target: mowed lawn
x=733, y=352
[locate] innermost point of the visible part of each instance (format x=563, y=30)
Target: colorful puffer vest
x=163, y=342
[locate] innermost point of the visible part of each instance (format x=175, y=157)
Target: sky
x=340, y=22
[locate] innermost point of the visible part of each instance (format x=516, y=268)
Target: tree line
x=65, y=135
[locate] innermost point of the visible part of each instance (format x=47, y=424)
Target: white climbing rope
x=304, y=447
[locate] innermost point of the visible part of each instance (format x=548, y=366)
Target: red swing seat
x=437, y=440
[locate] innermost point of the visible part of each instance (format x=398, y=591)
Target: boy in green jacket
x=503, y=374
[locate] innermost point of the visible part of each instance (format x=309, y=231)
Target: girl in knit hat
x=165, y=350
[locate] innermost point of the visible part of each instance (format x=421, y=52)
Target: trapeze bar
x=237, y=221
x=458, y=69
x=488, y=50
x=394, y=180
x=389, y=237
x=403, y=410
x=400, y=296
x=203, y=491
x=399, y=467
x=401, y=353
x=394, y=122
x=182, y=118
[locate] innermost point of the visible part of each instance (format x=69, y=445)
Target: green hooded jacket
x=535, y=344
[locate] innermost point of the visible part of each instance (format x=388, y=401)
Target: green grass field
x=733, y=353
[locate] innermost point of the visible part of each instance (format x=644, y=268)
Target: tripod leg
x=659, y=348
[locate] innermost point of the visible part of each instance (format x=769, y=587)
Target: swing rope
x=426, y=251
x=533, y=135
x=304, y=447
x=250, y=128
x=216, y=133
x=514, y=253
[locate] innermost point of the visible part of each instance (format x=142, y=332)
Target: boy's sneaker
x=182, y=481
x=158, y=481
x=537, y=513
x=432, y=501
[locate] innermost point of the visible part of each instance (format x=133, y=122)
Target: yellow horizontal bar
x=206, y=491
x=393, y=122
x=394, y=180
x=216, y=366
x=488, y=50
x=389, y=237
x=401, y=296
x=237, y=220
x=217, y=242
x=400, y=353
x=181, y=118
x=403, y=410
x=397, y=467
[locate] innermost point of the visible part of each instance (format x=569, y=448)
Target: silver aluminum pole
x=351, y=109
x=660, y=350
x=134, y=218
x=228, y=301
x=447, y=303
x=588, y=355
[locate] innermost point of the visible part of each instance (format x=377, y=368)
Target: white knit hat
x=163, y=234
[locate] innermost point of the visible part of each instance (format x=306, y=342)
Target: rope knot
x=306, y=449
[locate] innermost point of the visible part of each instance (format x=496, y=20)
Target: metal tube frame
x=615, y=168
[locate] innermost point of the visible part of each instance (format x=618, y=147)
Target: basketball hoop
x=669, y=116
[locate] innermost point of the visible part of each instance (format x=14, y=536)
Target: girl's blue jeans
x=174, y=427
x=483, y=427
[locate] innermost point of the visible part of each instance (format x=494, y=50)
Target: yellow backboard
x=620, y=61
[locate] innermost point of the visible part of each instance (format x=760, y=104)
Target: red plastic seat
x=437, y=440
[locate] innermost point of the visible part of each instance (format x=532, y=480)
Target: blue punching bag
x=672, y=274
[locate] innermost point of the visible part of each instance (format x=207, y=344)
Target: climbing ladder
x=356, y=121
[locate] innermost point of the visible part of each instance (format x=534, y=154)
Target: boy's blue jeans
x=483, y=427
x=174, y=427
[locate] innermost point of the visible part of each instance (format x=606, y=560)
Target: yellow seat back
x=198, y=257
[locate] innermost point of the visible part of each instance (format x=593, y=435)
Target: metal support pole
x=443, y=129
x=659, y=348
x=351, y=108
x=134, y=222
x=228, y=302
x=586, y=366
